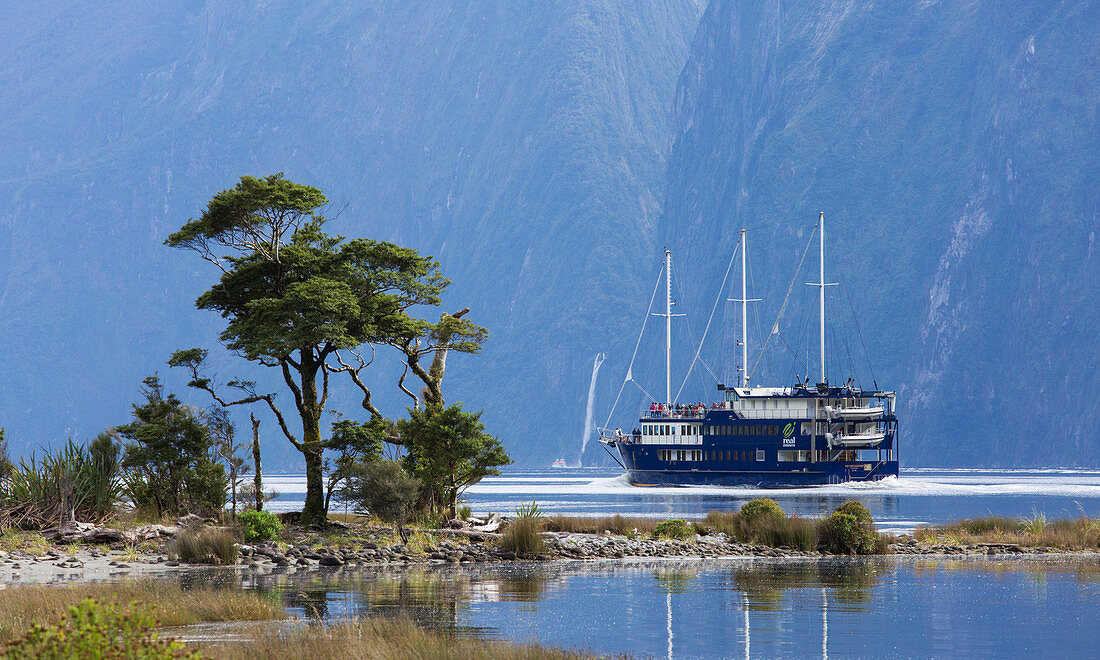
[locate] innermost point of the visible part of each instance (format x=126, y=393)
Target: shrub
x=93, y=630
x=847, y=534
x=761, y=506
x=169, y=457
x=385, y=490
x=464, y=512
x=856, y=509
x=259, y=525
x=208, y=545
x=524, y=533
x=675, y=528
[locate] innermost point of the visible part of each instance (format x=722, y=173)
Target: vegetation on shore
x=1081, y=533
x=121, y=620
x=23, y=606
x=378, y=639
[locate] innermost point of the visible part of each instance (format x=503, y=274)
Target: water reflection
x=750, y=608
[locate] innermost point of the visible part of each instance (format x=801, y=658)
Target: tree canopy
x=449, y=450
x=304, y=302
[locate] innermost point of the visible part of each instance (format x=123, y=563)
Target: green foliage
x=675, y=528
x=97, y=631
x=73, y=482
x=847, y=531
x=464, y=512
x=524, y=532
x=448, y=451
x=206, y=545
x=293, y=297
x=260, y=525
x=383, y=488
x=856, y=508
x=169, y=462
x=760, y=507
x=5, y=462
x=1034, y=525
x=530, y=510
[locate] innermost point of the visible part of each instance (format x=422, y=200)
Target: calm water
x=895, y=607
x=918, y=497
x=899, y=607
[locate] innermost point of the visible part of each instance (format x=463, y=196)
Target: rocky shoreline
x=68, y=559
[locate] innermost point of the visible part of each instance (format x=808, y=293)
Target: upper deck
x=798, y=402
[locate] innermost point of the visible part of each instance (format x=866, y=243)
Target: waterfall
x=588, y=409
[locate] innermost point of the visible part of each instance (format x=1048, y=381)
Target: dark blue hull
x=833, y=473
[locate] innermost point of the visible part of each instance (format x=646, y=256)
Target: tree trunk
x=313, y=512
x=257, y=480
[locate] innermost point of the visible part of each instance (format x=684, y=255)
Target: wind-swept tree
x=302, y=302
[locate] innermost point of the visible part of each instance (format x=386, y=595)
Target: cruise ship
x=805, y=434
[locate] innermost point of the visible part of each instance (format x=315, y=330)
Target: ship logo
x=788, y=430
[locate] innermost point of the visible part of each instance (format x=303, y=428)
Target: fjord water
x=749, y=607
x=919, y=496
x=884, y=607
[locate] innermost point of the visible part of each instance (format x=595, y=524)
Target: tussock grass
x=1081, y=533
x=524, y=532
x=523, y=535
x=377, y=639
x=615, y=524
x=21, y=607
x=771, y=529
x=208, y=545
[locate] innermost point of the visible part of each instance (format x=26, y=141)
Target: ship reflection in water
x=736, y=608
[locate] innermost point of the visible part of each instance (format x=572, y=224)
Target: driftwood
x=78, y=532
x=472, y=534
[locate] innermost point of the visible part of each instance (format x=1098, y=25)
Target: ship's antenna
x=744, y=300
x=668, y=326
x=821, y=284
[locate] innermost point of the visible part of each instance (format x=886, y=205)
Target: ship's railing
x=777, y=413
x=675, y=414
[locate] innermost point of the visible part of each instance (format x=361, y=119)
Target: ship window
x=803, y=454
x=666, y=432
x=759, y=454
x=787, y=455
x=727, y=455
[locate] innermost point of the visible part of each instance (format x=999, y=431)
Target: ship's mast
x=668, y=326
x=744, y=300
x=821, y=284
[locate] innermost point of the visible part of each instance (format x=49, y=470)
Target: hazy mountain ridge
x=949, y=145
x=546, y=153
x=493, y=136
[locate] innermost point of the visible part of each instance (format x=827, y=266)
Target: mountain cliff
x=522, y=144
x=546, y=153
x=952, y=146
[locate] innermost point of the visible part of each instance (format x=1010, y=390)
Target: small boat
x=560, y=463
x=799, y=435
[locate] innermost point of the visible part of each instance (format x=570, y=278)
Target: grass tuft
x=207, y=545
x=524, y=532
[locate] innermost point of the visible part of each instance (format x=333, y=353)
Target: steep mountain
x=952, y=147
x=546, y=153
x=523, y=144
